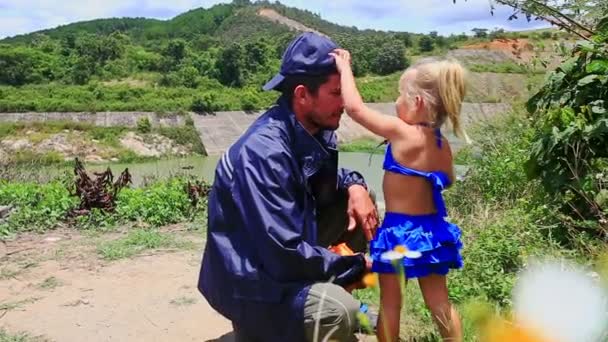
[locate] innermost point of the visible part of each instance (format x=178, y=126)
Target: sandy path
x=145, y=298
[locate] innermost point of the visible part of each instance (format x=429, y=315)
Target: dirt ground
x=56, y=287
x=502, y=44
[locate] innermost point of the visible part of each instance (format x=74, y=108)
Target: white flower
x=392, y=256
x=399, y=253
x=562, y=301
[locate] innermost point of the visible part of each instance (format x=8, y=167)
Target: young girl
x=418, y=165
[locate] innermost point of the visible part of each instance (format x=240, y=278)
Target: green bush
x=108, y=135
x=205, y=103
x=186, y=135
x=569, y=154
x=144, y=125
x=40, y=207
x=160, y=204
x=499, y=211
x=249, y=101
x=37, y=207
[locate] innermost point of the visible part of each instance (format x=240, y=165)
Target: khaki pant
x=330, y=314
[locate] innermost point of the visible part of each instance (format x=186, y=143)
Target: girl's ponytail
x=451, y=86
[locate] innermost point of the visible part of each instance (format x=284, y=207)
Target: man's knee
x=331, y=311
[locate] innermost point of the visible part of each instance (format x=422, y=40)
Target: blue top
x=438, y=179
x=261, y=248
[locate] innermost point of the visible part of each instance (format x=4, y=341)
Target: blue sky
x=423, y=16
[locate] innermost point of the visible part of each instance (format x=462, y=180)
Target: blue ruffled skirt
x=435, y=238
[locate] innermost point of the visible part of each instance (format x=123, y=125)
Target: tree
x=205, y=65
x=82, y=69
x=498, y=34
x=231, y=66
x=480, y=32
x=112, y=47
x=441, y=42
x=426, y=44
x=405, y=38
x=175, y=50
x=241, y=3
x=22, y=65
x=390, y=58
x=575, y=16
x=188, y=76
x=44, y=43
x=143, y=60
x=257, y=54
x=204, y=42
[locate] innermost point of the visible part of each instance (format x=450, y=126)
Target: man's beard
x=324, y=125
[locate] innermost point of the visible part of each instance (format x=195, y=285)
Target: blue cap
x=308, y=54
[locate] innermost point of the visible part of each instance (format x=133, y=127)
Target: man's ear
x=300, y=94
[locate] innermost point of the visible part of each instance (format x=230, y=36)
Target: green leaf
x=602, y=198
x=585, y=46
x=602, y=26
x=556, y=78
x=598, y=107
x=568, y=66
x=533, y=103
x=588, y=80
x=598, y=67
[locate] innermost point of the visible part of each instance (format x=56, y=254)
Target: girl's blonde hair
x=442, y=86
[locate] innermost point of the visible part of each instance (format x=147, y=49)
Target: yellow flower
x=400, y=249
x=499, y=330
x=370, y=280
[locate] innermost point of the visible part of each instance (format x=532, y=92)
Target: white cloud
x=421, y=16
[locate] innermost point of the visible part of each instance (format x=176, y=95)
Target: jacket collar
x=311, y=151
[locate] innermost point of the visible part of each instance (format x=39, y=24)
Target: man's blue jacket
x=262, y=254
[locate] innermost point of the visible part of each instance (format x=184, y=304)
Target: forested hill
x=233, y=43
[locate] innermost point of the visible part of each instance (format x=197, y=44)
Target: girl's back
x=420, y=151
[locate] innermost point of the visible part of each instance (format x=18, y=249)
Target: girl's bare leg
x=387, y=329
x=435, y=293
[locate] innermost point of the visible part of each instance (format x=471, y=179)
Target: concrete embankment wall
x=219, y=130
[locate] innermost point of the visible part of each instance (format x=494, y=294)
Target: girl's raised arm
x=389, y=127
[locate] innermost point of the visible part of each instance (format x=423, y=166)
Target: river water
x=370, y=166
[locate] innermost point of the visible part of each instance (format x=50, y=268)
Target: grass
x=49, y=283
x=501, y=214
x=8, y=306
x=7, y=273
x=5, y=336
x=362, y=145
x=416, y=323
x=379, y=88
x=183, y=301
x=138, y=241
x=183, y=135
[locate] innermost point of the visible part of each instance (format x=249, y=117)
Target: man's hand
x=361, y=211
x=360, y=284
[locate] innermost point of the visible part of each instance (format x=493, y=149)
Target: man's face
x=325, y=109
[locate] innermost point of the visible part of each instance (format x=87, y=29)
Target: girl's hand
x=343, y=60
